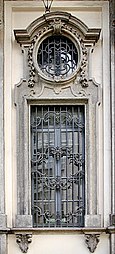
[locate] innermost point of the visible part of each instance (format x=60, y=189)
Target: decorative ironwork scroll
x=57, y=57
x=66, y=117
x=57, y=134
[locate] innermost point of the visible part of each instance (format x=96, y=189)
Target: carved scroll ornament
x=92, y=241
x=23, y=240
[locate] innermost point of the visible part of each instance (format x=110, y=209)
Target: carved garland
x=57, y=26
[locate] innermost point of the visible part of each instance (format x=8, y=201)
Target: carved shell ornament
x=57, y=49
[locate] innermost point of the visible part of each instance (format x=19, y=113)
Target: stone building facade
x=76, y=83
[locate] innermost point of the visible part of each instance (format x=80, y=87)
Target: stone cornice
x=25, y=36
x=85, y=230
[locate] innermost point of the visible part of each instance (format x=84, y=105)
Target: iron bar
x=57, y=159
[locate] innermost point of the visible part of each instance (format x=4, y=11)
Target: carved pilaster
x=23, y=240
x=92, y=241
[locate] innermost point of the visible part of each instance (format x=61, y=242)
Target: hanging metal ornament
x=47, y=5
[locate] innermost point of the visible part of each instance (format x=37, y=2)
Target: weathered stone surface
x=3, y=219
x=23, y=221
x=93, y=220
x=3, y=244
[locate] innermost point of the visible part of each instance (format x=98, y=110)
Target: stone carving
x=57, y=25
x=92, y=240
x=31, y=80
x=23, y=240
x=83, y=67
x=82, y=75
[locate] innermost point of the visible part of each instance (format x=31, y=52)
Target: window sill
x=84, y=230
x=64, y=230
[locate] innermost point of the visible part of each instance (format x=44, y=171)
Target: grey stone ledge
x=60, y=230
x=14, y=230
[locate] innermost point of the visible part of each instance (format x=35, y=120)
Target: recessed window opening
x=57, y=57
x=57, y=165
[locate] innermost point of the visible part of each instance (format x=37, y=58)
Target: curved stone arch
x=26, y=35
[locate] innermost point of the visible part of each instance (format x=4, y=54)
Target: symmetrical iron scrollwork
x=57, y=165
x=66, y=218
x=66, y=117
x=57, y=57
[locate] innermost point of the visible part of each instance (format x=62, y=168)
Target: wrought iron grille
x=57, y=165
x=57, y=57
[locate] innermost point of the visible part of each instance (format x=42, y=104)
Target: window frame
x=37, y=45
x=24, y=217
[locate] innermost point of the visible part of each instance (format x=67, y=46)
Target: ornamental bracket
x=92, y=241
x=23, y=240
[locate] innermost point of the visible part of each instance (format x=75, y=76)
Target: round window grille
x=57, y=57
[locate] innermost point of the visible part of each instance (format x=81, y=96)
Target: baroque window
x=57, y=109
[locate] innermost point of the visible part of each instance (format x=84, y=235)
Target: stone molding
x=23, y=240
x=92, y=241
x=25, y=36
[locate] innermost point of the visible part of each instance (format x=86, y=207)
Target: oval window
x=57, y=57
